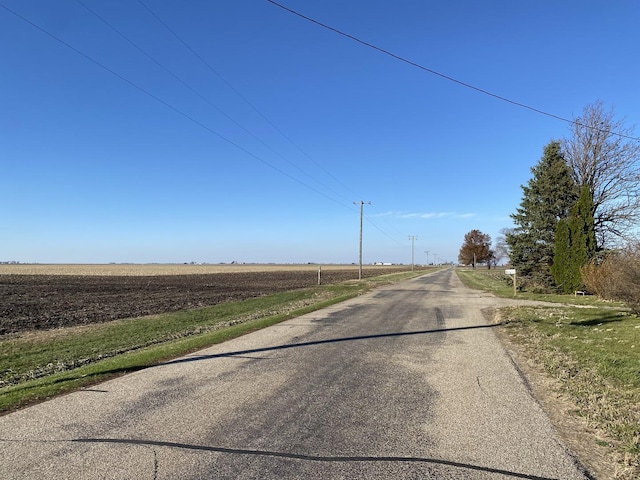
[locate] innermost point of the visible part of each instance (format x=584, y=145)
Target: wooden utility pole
x=361, y=202
x=413, y=239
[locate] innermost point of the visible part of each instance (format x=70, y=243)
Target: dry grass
x=590, y=355
x=164, y=269
x=583, y=362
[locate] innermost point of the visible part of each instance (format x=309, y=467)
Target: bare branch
x=610, y=165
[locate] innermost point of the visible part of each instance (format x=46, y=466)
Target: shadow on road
x=240, y=353
x=313, y=458
x=322, y=342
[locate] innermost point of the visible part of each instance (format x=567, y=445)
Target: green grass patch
x=501, y=285
x=594, y=354
x=38, y=365
x=592, y=350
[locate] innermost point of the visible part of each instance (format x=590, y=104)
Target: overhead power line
x=389, y=224
x=237, y=92
x=168, y=105
x=446, y=77
x=381, y=230
x=201, y=96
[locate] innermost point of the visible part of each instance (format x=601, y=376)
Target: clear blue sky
x=105, y=156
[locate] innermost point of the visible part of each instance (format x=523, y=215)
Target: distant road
x=408, y=381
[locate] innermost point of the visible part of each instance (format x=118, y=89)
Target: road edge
x=579, y=439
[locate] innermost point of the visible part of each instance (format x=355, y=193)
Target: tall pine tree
x=547, y=198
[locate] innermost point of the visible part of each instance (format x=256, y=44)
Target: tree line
x=579, y=210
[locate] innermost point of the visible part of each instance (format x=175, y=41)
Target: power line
x=237, y=92
x=447, y=77
x=168, y=105
x=202, y=97
x=389, y=224
x=381, y=230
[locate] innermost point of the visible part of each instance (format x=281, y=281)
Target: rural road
x=406, y=382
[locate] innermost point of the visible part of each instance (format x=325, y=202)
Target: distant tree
x=575, y=243
x=610, y=165
x=547, y=198
x=500, y=247
x=476, y=249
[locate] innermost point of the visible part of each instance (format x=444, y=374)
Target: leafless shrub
x=599, y=276
x=616, y=276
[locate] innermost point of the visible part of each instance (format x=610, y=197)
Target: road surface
x=408, y=381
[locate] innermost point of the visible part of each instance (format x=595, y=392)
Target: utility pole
x=362, y=203
x=413, y=239
x=427, y=252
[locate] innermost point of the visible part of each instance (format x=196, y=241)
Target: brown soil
x=39, y=302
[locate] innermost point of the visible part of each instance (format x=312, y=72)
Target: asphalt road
x=406, y=382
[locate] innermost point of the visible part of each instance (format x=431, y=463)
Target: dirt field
x=153, y=269
x=38, y=297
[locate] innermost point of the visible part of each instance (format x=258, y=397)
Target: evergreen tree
x=575, y=243
x=562, y=256
x=582, y=234
x=547, y=198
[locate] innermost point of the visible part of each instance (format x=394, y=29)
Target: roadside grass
x=38, y=365
x=501, y=285
x=591, y=349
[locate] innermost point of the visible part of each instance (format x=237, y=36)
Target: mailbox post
x=512, y=272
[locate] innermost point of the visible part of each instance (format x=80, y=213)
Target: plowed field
x=44, y=301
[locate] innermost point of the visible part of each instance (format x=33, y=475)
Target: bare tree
x=604, y=154
x=500, y=247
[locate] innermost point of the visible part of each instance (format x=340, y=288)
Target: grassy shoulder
x=590, y=351
x=38, y=365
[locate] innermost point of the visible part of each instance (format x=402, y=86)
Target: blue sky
x=249, y=138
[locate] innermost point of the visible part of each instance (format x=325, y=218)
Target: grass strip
x=593, y=356
x=501, y=285
x=39, y=365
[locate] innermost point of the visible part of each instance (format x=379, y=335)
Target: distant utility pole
x=362, y=203
x=413, y=239
x=427, y=252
